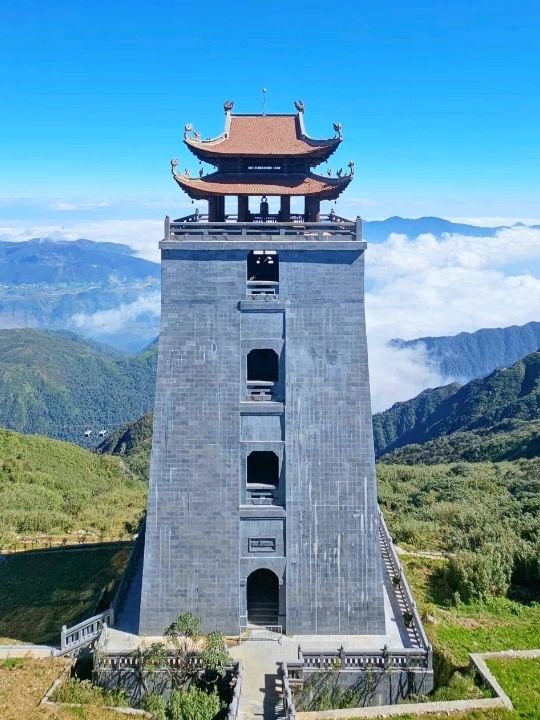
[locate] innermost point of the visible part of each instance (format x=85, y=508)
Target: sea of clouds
x=415, y=287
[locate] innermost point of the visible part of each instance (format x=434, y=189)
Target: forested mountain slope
x=133, y=442
x=472, y=355
x=507, y=394
x=57, y=384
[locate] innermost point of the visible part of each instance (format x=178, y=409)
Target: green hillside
x=49, y=487
x=59, y=385
x=133, y=442
x=481, y=408
x=402, y=417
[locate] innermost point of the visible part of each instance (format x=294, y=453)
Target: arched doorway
x=263, y=598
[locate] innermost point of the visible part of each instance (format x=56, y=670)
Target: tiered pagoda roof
x=260, y=136
x=293, y=184
x=268, y=155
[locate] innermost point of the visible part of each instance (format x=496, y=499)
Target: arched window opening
x=263, y=598
x=262, y=374
x=262, y=477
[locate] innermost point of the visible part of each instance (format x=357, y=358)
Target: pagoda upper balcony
x=330, y=225
x=264, y=156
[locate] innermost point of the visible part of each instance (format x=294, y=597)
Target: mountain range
x=379, y=230
x=496, y=417
x=471, y=355
x=63, y=285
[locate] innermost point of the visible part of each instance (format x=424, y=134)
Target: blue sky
x=439, y=102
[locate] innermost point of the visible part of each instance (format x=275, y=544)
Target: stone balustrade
x=326, y=228
x=413, y=620
x=85, y=632
x=288, y=703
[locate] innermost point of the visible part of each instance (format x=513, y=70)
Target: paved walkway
x=261, y=688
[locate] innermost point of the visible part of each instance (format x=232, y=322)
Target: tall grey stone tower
x=262, y=504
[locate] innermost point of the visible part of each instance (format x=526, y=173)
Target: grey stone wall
x=326, y=555
x=334, y=579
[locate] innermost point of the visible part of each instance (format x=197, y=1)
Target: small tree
x=215, y=657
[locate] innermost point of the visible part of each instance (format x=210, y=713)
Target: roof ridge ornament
x=188, y=129
x=299, y=105
x=228, y=105
x=338, y=128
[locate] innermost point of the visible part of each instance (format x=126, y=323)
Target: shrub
x=194, y=704
x=477, y=576
x=155, y=704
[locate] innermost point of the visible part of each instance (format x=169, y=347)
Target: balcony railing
x=260, y=390
x=264, y=289
x=328, y=226
x=261, y=493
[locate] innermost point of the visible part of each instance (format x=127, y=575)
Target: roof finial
x=338, y=129
x=228, y=105
x=299, y=105
x=264, y=101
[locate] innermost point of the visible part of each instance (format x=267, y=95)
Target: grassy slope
x=52, y=487
x=22, y=685
x=520, y=679
x=43, y=590
x=500, y=624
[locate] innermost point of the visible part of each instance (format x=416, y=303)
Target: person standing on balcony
x=264, y=208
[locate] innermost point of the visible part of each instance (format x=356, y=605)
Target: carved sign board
x=258, y=544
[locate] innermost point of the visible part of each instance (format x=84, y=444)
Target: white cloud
x=425, y=286
x=80, y=205
x=108, y=322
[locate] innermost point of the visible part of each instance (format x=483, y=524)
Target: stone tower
x=262, y=504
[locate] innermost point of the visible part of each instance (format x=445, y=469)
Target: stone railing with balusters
x=413, y=621
x=384, y=659
x=264, y=289
x=261, y=390
x=84, y=633
x=232, y=713
x=183, y=228
x=288, y=703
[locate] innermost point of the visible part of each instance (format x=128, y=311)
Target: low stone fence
x=415, y=623
x=232, y=713
x=385, y=659
x=47, y=701
x=125, y=671
x=22, y=650
x=288, y=702
x=478, y=664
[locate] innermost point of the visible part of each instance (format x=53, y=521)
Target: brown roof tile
x=262, y=184
x=263, y=136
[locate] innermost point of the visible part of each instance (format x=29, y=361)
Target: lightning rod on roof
x=264, y=101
